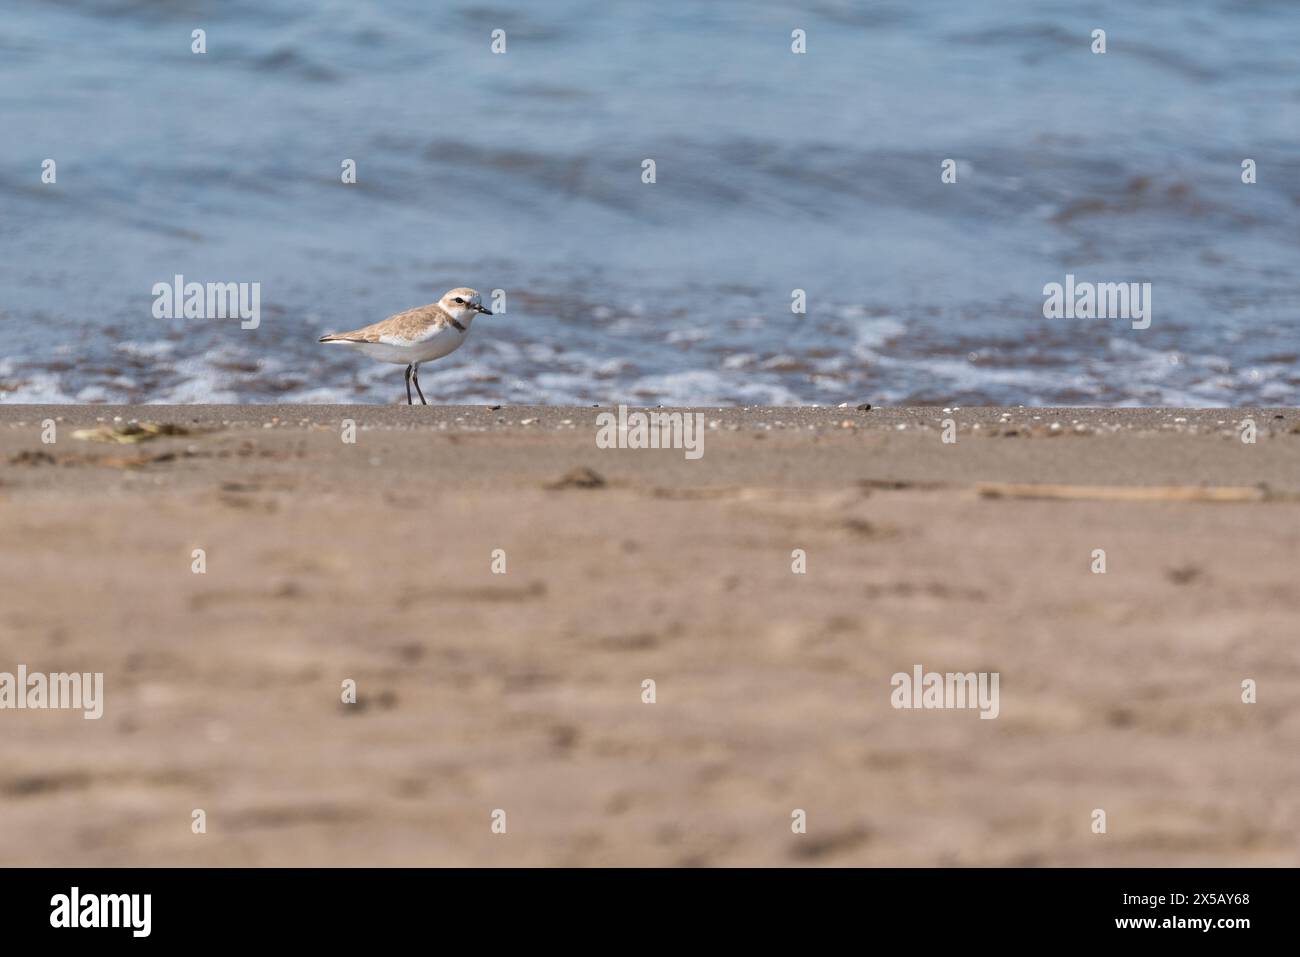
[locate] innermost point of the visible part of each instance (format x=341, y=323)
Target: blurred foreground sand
x=372, y=561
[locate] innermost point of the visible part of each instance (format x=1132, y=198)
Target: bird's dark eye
x=458, y=299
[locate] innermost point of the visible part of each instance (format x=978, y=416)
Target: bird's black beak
x=483, y=309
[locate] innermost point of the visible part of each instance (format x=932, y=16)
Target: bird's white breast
x=402, y=351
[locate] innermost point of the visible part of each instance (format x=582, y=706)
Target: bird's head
x=463, y=304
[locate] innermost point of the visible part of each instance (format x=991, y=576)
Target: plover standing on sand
x=418, y=335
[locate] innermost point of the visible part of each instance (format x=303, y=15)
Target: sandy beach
x=372, y=561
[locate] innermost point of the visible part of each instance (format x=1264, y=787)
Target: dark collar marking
x=457, y=324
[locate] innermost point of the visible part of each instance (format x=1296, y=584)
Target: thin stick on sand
x=1126, y=493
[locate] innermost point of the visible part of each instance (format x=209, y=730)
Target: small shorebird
x=418, y=335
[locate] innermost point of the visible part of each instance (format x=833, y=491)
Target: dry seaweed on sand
x=130, y=432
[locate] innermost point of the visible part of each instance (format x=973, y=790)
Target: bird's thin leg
x=408, y=386
x=415, y=375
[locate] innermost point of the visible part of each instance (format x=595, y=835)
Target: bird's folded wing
x=412, y=324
